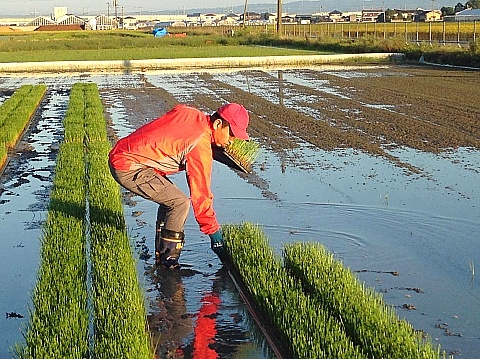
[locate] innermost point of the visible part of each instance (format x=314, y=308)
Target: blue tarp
x=159, y=32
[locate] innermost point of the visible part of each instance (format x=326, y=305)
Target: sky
x=34, y=8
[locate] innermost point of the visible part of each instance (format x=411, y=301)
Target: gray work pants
x=173, y=204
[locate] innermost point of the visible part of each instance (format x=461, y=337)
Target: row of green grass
x=15, y=114
x=110, y=45
x=119, y=312
x=58, y=326
x=318, y=307
x=87, y=302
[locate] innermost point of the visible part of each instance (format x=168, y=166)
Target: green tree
x=390, y=14
x=447, y=10
x=459, y=7
x=474, y=4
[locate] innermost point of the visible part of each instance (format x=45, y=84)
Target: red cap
x=237, y=117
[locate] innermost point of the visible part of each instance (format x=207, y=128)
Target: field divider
x=191, y=63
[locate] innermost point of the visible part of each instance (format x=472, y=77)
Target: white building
x=468, y=15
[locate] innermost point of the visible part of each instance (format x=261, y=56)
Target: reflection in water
x=219, y=328
x=205, y=331
x=169, y=322
x=280, y=87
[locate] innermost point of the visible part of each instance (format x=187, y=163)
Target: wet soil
x=425, y=111
x=417, y=108
x=377, y=163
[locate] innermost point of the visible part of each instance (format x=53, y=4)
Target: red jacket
x=179, y=140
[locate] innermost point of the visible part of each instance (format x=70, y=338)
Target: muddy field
x=379, y=163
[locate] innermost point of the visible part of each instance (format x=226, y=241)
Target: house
x=320, y=17
x=303, y=19
x=286, y=19
x=103, y=22
x=208, y=20
x=193, y=19
x=403, y=15
x=229, y=20
x=251, y=17
x=371, y=15
x=335, y=16
x=427, y=15
x=129, y=23
x=352, y=16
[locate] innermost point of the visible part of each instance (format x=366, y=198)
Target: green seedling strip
x=367, y=320
x=15, y=114
x=119, y=312
x=306, y=330
x=317, y=307
x=87, y=302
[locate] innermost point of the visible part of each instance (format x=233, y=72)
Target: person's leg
x=172, y=211
x=173, y=203
x=161, y=214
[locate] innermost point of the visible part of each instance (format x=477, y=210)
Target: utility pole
x=279, y=18
x=116, y=16
x=108, y=10
x=245, y=14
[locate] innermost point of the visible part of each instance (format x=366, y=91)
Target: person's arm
x=199, y=171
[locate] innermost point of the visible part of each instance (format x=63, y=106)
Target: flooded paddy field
x=379, y=163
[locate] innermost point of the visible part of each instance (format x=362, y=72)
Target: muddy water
x=379, y=163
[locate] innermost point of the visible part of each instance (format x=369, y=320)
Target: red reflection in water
x=205, y=330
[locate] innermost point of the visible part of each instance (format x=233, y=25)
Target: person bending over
x=180, y=140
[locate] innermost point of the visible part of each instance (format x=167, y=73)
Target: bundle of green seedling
x=239, y=154
x=87, y=301
x=245, y=152
x=15, y=114
x=316, y=305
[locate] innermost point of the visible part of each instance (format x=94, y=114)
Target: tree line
x=452, y=10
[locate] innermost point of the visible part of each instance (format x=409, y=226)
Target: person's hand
x=216, y=243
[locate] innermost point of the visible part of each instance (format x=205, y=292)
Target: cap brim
x=240, y=134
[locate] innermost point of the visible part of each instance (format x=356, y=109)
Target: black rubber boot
x=158, y=230
x=169, y=249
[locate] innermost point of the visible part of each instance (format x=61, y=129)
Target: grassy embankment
x=87, y=301
x=15, y=114
x=253, y=41
x=124, y=45
x=317, y=307
x=414, y=39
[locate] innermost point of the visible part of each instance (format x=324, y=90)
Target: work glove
x=216, y=243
